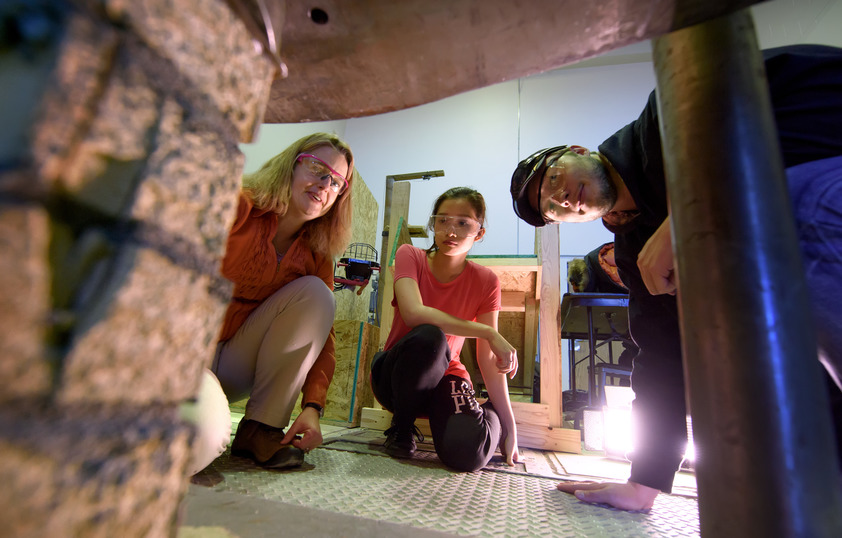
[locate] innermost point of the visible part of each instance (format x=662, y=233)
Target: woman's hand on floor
x=628, y=496
x=307, y=426
x=509, y=449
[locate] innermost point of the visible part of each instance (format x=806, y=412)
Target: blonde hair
x=270, y=189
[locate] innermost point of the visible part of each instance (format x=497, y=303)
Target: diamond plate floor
x=351, y=489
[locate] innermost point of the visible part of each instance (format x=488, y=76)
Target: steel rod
x=766, y=459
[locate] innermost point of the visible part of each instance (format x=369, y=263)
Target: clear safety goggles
x=461, y=226
x=320, y=170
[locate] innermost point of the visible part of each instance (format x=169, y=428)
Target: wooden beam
x=513, y=301
x=550, y=324
x=418, y=231
x=530, y=337
x=531, y=420
x=397, y=235
x=381, y=419
x=549, y=438
x=508, y=263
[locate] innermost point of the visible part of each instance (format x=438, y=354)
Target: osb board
x=516, y=273
x=349, y=305
x=350, y=390
x=517, y=281
x=510, y=326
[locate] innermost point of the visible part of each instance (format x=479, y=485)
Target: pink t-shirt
x=474, y=292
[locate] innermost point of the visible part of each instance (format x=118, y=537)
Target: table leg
x=591, y=355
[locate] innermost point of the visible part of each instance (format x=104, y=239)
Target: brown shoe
x=262, y=443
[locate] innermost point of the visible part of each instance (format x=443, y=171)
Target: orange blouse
x=251, y=263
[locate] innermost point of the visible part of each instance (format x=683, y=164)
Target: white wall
x=784, y=22
x=472, y=137
x=478, y=137
x=273, y=138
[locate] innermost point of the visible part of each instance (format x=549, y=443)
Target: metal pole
x=591, y=355
x=766, y=459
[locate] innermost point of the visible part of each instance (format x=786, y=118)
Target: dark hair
x=458, y=193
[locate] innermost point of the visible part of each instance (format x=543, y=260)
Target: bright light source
x=690, y=452
x=618, y=420
x=612, y=430
x=618, y=430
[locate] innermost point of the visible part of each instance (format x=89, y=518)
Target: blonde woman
x=277, y=340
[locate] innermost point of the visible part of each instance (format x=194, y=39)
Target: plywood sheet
x=350, y=390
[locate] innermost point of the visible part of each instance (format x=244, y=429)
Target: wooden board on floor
x=531, y=420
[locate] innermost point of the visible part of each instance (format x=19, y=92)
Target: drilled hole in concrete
x=319, y=16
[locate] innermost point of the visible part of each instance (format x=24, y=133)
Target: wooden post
x=550, y=324
x=530, y=327
x=398, y=212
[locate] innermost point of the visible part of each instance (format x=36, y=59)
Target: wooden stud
x=398, y=234
x=550, y=323
x=531, y=420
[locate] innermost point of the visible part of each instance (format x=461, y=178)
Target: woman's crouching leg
x=465, y=433
x=300, y=317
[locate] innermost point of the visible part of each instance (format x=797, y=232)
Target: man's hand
x=307, y=425
x=628, y=496
x=656, y=263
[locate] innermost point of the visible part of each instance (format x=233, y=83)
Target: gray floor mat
x=422, y=494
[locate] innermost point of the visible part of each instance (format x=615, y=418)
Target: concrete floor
x=349, y=487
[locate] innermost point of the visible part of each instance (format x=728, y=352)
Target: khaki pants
x=270, y=355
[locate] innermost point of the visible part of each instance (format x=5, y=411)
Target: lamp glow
x=614, y=433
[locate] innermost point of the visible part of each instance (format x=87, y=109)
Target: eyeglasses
x=460, y=226
x=321, y=170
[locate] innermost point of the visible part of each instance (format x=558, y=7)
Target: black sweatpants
x=409, y=381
